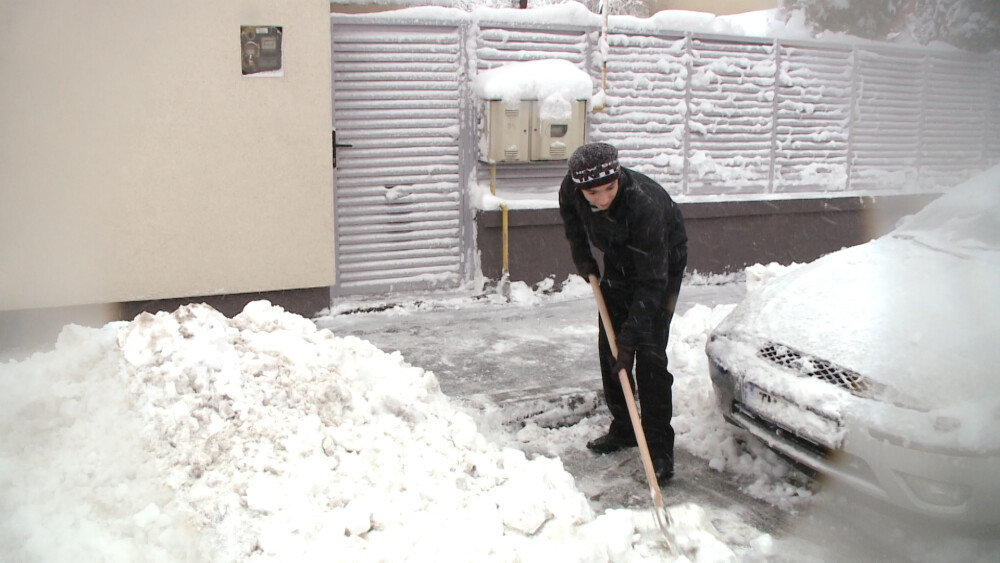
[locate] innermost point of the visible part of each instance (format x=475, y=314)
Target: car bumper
x=954, y=486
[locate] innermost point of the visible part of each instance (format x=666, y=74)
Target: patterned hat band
x=603, y=173
x=593, y=165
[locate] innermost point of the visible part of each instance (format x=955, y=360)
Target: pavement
x=521, y=357
x=538, y=362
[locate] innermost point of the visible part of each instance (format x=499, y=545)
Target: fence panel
x=646, y=104
x=956, y=104
x=993, y=122
x=812, y=115
x=730, y=117
x=885, y=131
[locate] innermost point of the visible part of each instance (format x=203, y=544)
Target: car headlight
x=937, y=492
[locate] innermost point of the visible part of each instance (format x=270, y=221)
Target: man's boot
x=663, y=466
x=611, y=443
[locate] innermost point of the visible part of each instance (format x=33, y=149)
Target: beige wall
x=136, y=162
x=717, y=7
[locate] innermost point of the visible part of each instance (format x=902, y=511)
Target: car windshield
x=965, y=219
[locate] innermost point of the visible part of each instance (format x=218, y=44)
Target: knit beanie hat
x=593, y=164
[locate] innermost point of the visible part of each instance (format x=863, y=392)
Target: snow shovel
x=662, y=517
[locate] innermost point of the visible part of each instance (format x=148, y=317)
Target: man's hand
x=624, y=360
x=588, y=269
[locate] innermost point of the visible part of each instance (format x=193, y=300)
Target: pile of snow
x=190, y=436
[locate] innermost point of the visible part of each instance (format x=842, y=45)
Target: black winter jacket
x=644, y=244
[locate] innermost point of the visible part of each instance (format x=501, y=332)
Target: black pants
x=651, y=374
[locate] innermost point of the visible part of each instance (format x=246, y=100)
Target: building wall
x=138, y=163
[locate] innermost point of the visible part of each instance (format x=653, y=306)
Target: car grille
x=818, y=368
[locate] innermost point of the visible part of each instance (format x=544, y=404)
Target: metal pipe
x=604, y=56
x=504, y=237
x=504, y=226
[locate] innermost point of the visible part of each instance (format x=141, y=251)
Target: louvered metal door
x=399, y=206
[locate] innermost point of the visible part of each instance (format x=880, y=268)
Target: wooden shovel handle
x=633, y=411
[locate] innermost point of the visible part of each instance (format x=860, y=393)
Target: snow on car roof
x=966, y=217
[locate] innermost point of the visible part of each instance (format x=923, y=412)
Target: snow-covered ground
x=191, y=436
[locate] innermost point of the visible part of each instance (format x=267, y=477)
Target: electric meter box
x=556, y=139
x=516, y=132
x=507, y=130
x=261, y=48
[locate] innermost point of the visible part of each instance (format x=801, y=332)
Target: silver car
x=877, y=365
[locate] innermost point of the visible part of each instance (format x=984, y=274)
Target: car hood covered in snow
x=915, y=310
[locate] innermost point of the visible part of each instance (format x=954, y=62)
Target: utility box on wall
x=506, y=134
x=260, y=47
x=557, y=138
x=518, y=132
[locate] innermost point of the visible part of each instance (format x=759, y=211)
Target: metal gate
x=401, y=219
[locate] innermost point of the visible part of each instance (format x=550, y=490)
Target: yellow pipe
x=503, y=222
x=503, y=230
x=604, y=80
x=604, y=86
